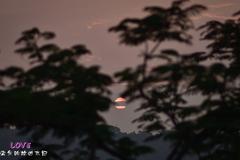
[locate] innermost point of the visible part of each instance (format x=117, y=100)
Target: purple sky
x=86, y=22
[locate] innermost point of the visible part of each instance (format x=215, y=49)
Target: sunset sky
x=87, y=22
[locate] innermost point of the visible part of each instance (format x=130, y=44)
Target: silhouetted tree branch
x=208, y=129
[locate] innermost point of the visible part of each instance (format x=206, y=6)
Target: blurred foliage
x=166, y=81
x=58, y=96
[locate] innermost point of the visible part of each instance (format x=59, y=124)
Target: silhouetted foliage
x=57, y=95
x=160, y=25
x=166, y=81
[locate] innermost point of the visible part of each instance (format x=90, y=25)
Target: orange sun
x=120, y=103
x=120, y=99
x=120, y=107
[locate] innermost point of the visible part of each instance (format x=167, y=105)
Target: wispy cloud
x=220, y=17
x=222, y=5
x=91, y=58
x=215, y=16
x=218, y=7
x=96, y=23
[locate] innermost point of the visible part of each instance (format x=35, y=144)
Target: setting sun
x=120, y=107
x=120, y=99
x=120, y=103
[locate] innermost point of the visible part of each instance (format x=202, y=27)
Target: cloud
x=214, y=16
x=218, y=6
x=96, y=23
x=90, y=58
x=220, y=17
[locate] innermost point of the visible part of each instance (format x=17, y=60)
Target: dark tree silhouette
x=166, y=81
x=58, y=95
